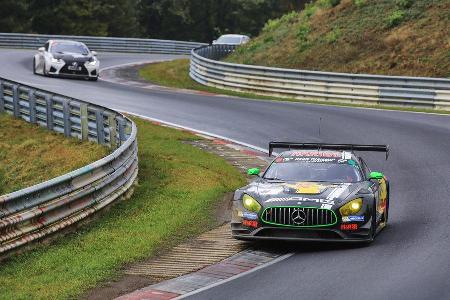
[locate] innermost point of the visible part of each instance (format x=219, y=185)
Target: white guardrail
x=420, y=92
x=108, y=44
x=34, y=212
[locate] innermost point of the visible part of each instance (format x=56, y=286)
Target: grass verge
x=178, y=188
x=30, y=154
x=175, y=74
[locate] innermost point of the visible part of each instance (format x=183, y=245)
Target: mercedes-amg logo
x=298, y=216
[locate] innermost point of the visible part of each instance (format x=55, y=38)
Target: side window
x=46, y=46
x=365, y=168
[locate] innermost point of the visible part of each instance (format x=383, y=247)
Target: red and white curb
x=236, y=266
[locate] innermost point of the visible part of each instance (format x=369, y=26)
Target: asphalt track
x=410, y=259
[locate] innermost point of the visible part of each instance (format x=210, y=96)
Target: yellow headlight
x=351, y=207
x=251, y=204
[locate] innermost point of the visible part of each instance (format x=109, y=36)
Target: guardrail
x=108, y=44
x=206, y=69
x=37, y=211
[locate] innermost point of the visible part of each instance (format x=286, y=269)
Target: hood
x=313, y=194
x=70, y=56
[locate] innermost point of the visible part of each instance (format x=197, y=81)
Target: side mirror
x=376, y=175
x=41, y=49
x=94, y=53
x=254, y=171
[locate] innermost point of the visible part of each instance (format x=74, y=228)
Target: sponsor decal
x=316, y=154
x=349, y=227
x=300, y=200
x=353, y=219
x=250, y=216
x=240, y=214
x=306, y=188
x=249, y=223
x=306, y=159
x=337, y=192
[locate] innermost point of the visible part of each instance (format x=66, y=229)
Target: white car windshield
x=313, y=171
x=64, y=47
x=229, y=40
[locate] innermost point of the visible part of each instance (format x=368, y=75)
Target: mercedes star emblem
x=298, y=216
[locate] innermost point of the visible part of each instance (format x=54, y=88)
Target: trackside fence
x=108, y=44
x=207, y=69
x=35, y=212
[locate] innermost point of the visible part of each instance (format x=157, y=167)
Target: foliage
x=389, y=37
x=196, y=20
x=360, y=3
x=30, y=154
x=395, y=18
x=179, y=186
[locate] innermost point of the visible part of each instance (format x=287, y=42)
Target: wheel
x=44, y=70
x=34, y=65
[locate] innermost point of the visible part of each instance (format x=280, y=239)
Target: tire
x=34, y=66
x=44, y=70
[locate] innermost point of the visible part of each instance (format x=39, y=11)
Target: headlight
x=92, y=62
x=251, y=204
x=56, y=60
x=351, y=207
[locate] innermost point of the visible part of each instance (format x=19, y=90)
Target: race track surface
x=410, y=259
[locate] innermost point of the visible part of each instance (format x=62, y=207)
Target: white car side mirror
x=41, y=49
x=94, y=53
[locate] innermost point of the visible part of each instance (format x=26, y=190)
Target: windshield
x=313, y=171
x=229, y=40
x=62, y=47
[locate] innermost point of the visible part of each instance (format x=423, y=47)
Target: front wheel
x=34, y=65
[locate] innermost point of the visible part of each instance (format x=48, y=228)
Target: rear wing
x=317, y=146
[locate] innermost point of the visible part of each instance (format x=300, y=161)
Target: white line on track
x=276, y=260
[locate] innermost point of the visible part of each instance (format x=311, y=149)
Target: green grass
x=30, y=154
x=179, y=186
x=390, y=37
x=176, y=74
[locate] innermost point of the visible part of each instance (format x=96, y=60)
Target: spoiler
x=317, y=146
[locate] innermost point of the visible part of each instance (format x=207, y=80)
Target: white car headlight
x=56, y=60
x=92, y=62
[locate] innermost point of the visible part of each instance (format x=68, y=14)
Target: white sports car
x=66, y=58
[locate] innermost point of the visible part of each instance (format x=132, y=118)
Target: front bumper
x=62, y=70
x=299, y=234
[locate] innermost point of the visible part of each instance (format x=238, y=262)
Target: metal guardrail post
x=15, y=97
x=66, y=118
x=2, y=100
x=49, y=111
x=112, y=125
x=84, y=121
x=100, y=128
x=32, y=106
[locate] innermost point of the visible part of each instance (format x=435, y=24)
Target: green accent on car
x=376, y=175
x=297, y=226
x=253, y=171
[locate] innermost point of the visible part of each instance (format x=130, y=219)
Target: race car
x=313, y=192
x=66, y=58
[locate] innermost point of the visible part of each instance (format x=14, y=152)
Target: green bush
x=359, y=3
x=332, y=36
x=404, y=3
x=327, y=3
x=395, y=18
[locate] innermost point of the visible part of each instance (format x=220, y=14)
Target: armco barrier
x=40, y=210
x=433, y=93
x=108, y=44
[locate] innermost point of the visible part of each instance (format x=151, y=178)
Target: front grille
x=65, y=69
x=295, y=216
